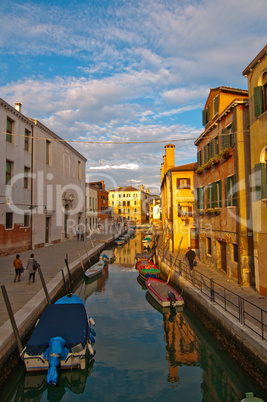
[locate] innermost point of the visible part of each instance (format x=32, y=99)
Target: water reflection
x=143, y=352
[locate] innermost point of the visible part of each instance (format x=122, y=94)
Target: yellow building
x=130, y=204
x=256, y=72
x=177, y=199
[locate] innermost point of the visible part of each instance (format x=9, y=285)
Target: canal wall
x=249, y=350
x=27, y=316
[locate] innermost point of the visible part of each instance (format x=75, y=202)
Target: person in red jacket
x=18, y=265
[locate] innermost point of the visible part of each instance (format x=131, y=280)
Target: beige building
x=130, y=204
x=256, y=72
x=91, y=208
x=41, y=184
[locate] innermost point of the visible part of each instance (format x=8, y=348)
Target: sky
x=123, y=78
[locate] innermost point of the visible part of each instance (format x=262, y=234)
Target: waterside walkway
x=28, y=300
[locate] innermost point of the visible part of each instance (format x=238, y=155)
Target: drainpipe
x=31, y=206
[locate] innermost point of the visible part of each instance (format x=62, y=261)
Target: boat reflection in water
x=182, y=345
x=35, y=384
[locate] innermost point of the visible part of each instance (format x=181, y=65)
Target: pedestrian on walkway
x=78, y=234
x=18, y=265
x=190, y=256
x=82, y=235
x=31, y=268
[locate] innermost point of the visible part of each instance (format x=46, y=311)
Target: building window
x=183, y=184
x=119, y=211
x=230, y=191
x=113, y=203
x=119, y=195
x=79, y=170
x=128, y=211
x=235, y=252
x=260, y=97
x=260, y=178
x=124, y=203
x=199, y=158
x=228, y=137
x=135, y=210
x=26, y=177
x=209, y=245
x=27, y=140
x=119, y=203
x=184, y=211
x=48, y=153
x=200, y=198
x=26, y=219
x=128, y=203
x=124, y=210
x=9, y=220
x=9, y=129
x=216, y=194
x=9, y=171
x=123, y=195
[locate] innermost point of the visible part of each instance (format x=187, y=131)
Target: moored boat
x=164, y=293
x=120, y=241
x=145, y=264
x=108, y=256
x=61, y=338
x=95, y=269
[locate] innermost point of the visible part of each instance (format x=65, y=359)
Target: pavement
x=24, y=297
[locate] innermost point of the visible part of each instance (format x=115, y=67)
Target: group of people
x=80, y=234
x=19, y=269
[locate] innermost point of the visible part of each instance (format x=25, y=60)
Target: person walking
x=190, y=256
x=18, y=265
x=31, y=268
x=78, y=234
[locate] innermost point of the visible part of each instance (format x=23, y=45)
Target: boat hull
x=95, y=269
x=159, y=291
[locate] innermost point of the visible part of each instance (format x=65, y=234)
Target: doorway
x=47, y=229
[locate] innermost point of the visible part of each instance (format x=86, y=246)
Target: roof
x=259, y=56
x=125, y=188
x=183, y=168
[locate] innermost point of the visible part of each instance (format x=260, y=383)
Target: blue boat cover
x=54, y=353
x=68, y=321
x=70, y=299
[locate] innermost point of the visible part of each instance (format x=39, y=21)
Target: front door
x=223, y=256
x=194, y=240
x=47, y=229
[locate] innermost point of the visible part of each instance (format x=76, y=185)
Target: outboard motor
x=172, y=297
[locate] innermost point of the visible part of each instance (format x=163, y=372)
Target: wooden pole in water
x=44, y=284
x=178, y=252
x=12, y=320
x=80, y=260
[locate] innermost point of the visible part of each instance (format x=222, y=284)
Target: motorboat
x=164, y=293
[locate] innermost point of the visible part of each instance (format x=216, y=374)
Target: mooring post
x=44, y=284
x=64, y=281
x=12, y=320
x=67, y=265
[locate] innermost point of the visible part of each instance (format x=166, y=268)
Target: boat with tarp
x=61, y=339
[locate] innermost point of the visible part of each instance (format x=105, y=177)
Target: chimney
x=170, y=159
x=18, y=106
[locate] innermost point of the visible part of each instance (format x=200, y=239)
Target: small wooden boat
x=163, y=310
x=145, y=264
x=108, y=256
x=120, y=241
x=164, y=293
x=149, y=273
x=95, y=269
x=61, y=338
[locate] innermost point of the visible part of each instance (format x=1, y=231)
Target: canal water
x=141, y=354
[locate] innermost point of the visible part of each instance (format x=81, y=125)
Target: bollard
x=44, y=284
x=12, y=320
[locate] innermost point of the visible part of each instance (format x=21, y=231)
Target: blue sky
x=126, y=71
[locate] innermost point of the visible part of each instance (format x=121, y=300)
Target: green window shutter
x=234, y=190
x=204, y=117
x=225, y=138
x=227, y=191
x=199, y=162
x=220, y=193
x=208, y=113
x=258, y=101
x=215, y=195
x=212, y=147
x=260, y=181
x=216, y=103
x=198, y=200
x=208, y=196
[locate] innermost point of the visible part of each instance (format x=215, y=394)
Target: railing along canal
x=247, y=313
